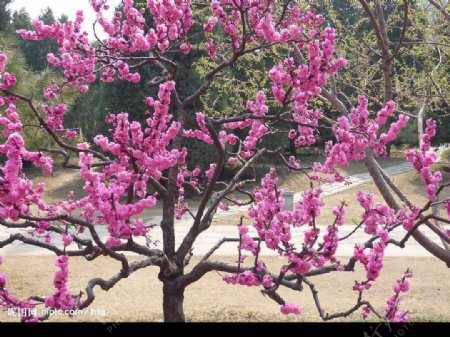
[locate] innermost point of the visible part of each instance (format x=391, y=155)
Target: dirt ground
x=139, y=298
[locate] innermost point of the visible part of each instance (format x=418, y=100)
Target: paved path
x=358, y=179
x=209, y=238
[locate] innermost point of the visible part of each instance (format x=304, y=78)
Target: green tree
x=35, y=51
x=35, y=86
x=30, y=84
x=419, y=45
x=5, y=14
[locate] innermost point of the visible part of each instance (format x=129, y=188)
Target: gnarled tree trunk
x=173, y=298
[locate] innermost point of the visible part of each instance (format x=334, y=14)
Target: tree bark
x=383, y=188
x=422, y=111
x=435, y=211
x=388, y=150
x=292, y=148
x=173, y=298
x=420, y=126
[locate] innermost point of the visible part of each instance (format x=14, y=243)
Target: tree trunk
x=420, y=126
x=421, y=113
x=388, y=150
x=424, y=241
x=292, y=148
x=173, y=299
x=435, y=211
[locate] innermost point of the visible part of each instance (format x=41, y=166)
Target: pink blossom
x=3, y=59
x=366, y=312
x=393, y=313
x=67, y=239
x=112, y=242
x=210, y=172
x=62, y=299
x=2, y=281
x=211, y=49
x=186, y=48
x=423, y=158
x=290, y=309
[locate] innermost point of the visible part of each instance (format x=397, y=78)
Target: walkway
x=209, y=238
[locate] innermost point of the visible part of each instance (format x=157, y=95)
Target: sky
x=68, y=7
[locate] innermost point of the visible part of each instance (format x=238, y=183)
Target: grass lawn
x=410, y=183
x=63, y=181
x=59, y=184
x=139, y=297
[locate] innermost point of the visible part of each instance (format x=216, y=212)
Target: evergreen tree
x=35, y=51
x=5, y=15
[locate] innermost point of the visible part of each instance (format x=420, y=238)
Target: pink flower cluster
x=3, y=59
x=273, y=225
x=76, y=56
x=141, y=155
x=248, y=278
x=372, y=261
x=98, y=5
x=366, y=312
x=331, y=241
x=271, y=222
x=210, y=172
x=261, y=21
x=173, y=19
x=423, y=158
x=16, y=191
x=7, y=80
x=128, y=31
x=257, y=127
x=11, y=122
x=54, y=115
x=410, y=219
x=356, y=133
x=377, y=214
x=201, y=134
x=290, y=309
x=61, y=299
x=182, y=206
x=393, y=313
x=306, y=82
x=308, y=207
x=246, y=241
x=51, y=91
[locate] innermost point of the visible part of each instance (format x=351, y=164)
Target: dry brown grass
x=409, y=182
x=139, y=298
x=62, y=181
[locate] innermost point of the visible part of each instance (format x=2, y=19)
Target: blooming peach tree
x=128, y=169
